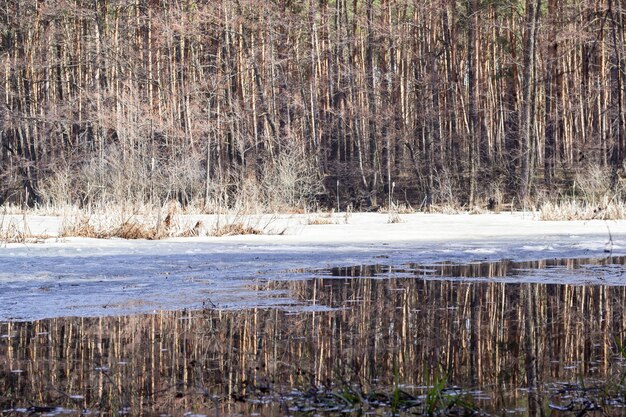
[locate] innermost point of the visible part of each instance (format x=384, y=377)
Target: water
x=374, y=339
x=607, y=270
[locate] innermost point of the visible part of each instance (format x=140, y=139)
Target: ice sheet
x=93, y=277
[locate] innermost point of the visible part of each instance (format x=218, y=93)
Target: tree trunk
x=533, y=9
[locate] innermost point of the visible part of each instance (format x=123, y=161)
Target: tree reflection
x=492, y=337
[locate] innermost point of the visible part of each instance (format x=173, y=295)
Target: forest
x=285, y=104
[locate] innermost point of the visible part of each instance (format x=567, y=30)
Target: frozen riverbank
x=92, y=277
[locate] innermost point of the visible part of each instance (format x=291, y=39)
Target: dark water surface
x=399, y=344
x=609, y=269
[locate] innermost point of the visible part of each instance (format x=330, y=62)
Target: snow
x=93, y=277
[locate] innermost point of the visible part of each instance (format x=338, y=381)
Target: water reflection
x=492, y=338
x=609, y=270
x=487, y=269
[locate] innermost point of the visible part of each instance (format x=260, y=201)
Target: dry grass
x=233, y=229
x=138, y=223
x=195, y=231
x=403, y=208
x=151, y=230
x=241, y=224
x=394, y=212
x=320, y=219
x=125, y=230
x=394, y=218
x=575, y=210
x=327, y=218
x=79, y=228
x=317, y=221
x=133, y=230
x=445, y=209
x=13, y=234
x=14, y=231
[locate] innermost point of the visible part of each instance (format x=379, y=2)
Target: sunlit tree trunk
x=533, y=10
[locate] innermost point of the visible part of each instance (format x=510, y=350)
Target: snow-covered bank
x=360, y=227
x=87, y=277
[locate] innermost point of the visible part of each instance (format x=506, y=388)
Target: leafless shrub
x=292, y=180
x=446, y=189
x=249, y=196
x=184, y=179
x=289, y=181
x=122, y=176
x=56, y=189
x=592, y=184
x=215, y=199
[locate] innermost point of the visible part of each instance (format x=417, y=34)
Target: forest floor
x=53, y=276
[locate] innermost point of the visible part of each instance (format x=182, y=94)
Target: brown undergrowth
x=149, y=224
x=231, y=229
